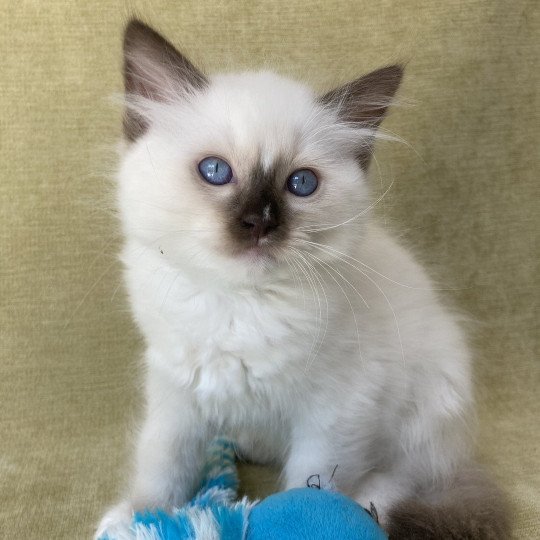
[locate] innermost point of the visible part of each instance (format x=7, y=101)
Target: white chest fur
x=222, y=343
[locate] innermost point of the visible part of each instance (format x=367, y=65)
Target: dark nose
x=259, y=225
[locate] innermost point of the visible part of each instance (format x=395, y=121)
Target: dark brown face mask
x=258, y=212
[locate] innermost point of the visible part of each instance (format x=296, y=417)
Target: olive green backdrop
x=465, y=193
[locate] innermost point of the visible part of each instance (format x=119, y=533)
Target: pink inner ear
x=365, y=101
x=154, y=69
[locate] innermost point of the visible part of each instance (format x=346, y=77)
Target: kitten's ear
x=155, y=70
x=364, y=101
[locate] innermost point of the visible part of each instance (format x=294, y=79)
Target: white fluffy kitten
x=274, y=308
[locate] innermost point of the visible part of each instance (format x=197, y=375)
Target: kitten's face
x=235, y=174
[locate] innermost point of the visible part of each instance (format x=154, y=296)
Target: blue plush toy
x=214, y=513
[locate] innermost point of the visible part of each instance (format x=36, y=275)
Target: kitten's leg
x=382, y=490
x=311, y=458
x=307, y=459
x=314, y=454
x=169, y=452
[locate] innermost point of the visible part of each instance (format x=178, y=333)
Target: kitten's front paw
x=116, y=522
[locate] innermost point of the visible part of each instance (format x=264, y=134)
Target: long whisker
x=316, y=296
x=87, y=294
x=144, y=249
x=164, y=301
x=379, y=289
x=361, y=213
x=344, y=279
x=321, y=283
x=314, y=348
x=318, y=277
x=314, y=293
x=317, y=244
x=321, y=263
x=294, y=272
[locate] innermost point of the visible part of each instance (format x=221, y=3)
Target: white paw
x=116, y=523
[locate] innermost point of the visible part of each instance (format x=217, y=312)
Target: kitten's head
x=233, y=175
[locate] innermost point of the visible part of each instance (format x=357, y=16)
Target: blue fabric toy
x=215, y=514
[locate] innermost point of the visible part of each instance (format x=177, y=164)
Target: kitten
x=275, y=310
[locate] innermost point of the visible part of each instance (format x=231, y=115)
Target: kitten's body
x=242, y=354
x=332, y=349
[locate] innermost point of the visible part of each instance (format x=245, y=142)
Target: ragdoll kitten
x=275, y=310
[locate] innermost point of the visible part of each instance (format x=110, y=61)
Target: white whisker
x=371, y=280
x=321, y=262
x=317, y=244
x=318, y=277
x=315, y=345
x=361, y=213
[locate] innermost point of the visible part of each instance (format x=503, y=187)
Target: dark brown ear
x=155, y=70
x=365, y=101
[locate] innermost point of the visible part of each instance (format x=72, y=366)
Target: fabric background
x=465, y=193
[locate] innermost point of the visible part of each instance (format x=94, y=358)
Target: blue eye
x=302, y=183
x=215, y=171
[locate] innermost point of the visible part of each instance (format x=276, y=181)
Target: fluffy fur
x=324, y=345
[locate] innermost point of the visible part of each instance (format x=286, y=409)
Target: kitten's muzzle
x=259, y=225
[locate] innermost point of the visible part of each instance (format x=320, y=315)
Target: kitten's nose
x=259, y=225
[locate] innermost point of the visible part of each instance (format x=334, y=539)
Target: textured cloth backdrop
x=465, y=193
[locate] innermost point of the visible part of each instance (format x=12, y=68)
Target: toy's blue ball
x=311, y=513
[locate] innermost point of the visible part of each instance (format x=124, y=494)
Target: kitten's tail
x=471, y=508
